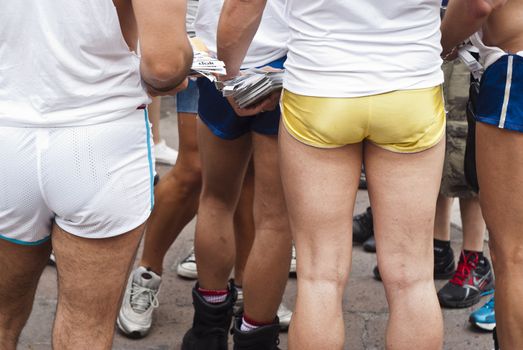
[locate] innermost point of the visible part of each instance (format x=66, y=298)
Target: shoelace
x=464, y=269
x=142, y=298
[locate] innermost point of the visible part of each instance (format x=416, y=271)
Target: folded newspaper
x=207, y=66
x=253, y=85
x=204, y=64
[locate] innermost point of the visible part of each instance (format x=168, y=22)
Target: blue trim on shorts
x=149, y=156
x=16, y=241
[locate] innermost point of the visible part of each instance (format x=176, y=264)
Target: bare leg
x=473, y=224
x=91, y=280
x=442, y=220
x=176, y=197
x=21, y=268
x=154, y=117
x=224, y=164
x=320, y=188
x=500, y=172
x=244, y=225
x=403, y=189
x=268, y=263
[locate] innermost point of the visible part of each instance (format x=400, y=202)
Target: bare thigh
x=403, y=190
x=91, y=278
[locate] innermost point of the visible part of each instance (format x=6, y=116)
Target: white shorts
x=93, y=181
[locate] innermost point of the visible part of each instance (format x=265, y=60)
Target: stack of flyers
x=253, y=85
x=207, y=66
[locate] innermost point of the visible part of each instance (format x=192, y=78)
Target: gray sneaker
x=140, y=299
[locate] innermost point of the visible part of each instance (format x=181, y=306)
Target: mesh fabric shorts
x=93, y=181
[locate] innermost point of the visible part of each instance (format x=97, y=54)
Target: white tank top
x=349, y=48
x=269, y=43
x=65, y=63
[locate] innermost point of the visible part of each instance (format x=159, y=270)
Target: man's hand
x=269, y=103
x=168, y=91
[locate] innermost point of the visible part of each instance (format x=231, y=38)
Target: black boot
x=263, y=338
x=362, y=227
x=211, y=322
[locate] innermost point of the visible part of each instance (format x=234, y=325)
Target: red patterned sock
x=213, y=296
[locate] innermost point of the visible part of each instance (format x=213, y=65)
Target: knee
x=405, y=278
x=506, y=255
x=186, y=176
x=324, y=273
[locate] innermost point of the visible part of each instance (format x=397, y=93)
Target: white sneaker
x=140, y=299
x=292, y=269
x=165, y=154
x=187, y=267
x=52, y=260
x=284, y=314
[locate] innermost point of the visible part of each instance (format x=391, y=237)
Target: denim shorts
x=187, y=100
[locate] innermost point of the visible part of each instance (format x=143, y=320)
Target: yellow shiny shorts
x=403, y=121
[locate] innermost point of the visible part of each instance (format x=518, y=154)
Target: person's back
x=76, y=162
x=269, y=43
x=65, y=64
x=356, y=48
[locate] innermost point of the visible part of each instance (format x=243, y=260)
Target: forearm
x=463, y=18
x=166, y=54
x=234, y=35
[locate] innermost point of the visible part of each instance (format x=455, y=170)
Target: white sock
x=247, y=327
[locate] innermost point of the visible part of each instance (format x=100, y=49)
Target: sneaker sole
x=464, y=303
x=130, y=334
x=485, y=326
x=185, y=273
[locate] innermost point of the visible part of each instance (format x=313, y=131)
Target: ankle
x=213, y=296
x=250, y=324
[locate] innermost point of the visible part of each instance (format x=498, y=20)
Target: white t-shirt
x=348, y=48
x=65, y=63
x=192, y=10
x=269, y=43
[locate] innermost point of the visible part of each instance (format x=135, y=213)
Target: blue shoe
x=484, y=317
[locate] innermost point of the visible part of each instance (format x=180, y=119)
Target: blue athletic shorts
x=187, y=100
x=218, y=115
x=500, y=100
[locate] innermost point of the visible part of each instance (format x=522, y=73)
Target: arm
x=463, y=18
x=235, y=35
x=166, y=54
x=233, y=40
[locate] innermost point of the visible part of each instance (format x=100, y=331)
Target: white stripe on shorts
x=507, y=93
